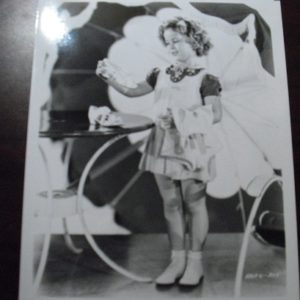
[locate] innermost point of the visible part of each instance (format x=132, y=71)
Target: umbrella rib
x=73, y=72
x=240, y=195
x=108, y=31
x=249, y=136
x=266, y=122
x=126, y=188
x=111, y=163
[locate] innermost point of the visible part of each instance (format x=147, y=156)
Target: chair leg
x=90, y=239
x=43, y=259
x=246, y=237
x=68, y=239
x=47, y=237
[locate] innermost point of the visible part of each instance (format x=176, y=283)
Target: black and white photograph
x=159, y=153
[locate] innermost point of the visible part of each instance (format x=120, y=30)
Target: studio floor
x=86, y=276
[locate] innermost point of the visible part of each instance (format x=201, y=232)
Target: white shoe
x=194, y=269
x=174, y=270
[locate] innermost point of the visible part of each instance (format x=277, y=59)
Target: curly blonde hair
x=197, y=36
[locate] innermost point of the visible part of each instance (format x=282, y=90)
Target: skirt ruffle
x=165, y=155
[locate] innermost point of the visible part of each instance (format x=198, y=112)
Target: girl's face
x=178, y=45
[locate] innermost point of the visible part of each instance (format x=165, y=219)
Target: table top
x=62, y=124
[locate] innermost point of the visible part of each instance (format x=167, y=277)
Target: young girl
x=181, y=148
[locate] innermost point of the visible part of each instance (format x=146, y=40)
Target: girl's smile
x=178, y=45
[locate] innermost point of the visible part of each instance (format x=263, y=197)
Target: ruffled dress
x=188, y=149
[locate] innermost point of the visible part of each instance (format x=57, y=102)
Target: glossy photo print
x=159, y=156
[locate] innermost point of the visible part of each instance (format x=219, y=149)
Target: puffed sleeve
x=151, y=77
x=210, y=86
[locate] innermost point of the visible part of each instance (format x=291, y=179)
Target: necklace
x=177, y=73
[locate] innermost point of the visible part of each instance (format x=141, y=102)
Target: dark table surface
x=76, y=124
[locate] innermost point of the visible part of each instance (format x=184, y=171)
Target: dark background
x=17, y=20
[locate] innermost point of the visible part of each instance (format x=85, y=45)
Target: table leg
x=245, y=242
x=68, y=239
x=47, y=238
x=87, y=234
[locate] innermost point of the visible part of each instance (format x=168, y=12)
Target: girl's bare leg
x=195, y=204
x=172, y=203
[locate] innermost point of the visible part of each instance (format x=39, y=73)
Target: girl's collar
x=179, y=70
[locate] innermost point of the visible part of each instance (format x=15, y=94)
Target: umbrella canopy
x=249, y=128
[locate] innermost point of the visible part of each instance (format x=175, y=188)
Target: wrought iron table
x=66, y=125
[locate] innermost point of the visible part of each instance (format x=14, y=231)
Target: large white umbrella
x=249, y=128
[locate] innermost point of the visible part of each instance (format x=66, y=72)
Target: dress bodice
x=182, y=94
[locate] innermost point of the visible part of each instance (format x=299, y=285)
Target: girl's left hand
x=166, y=121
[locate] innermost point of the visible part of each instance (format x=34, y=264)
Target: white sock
x=175, y=269
x=194, y=269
